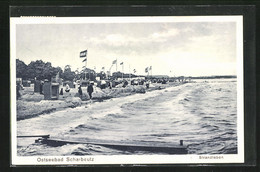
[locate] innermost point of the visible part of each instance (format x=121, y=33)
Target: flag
x=83, y=53
x=114, y=62
x=121, y=63
x=146, y=69
x=134, y=70
x=150, y=68
x=84, y=59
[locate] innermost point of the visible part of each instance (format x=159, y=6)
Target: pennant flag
x=121, y=63
x=84, y=59
x=114, y=62
x=83, y=54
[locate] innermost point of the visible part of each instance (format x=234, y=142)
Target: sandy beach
x=32, y=104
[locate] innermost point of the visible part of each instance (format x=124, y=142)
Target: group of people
x=90, y=90
x=67, y=89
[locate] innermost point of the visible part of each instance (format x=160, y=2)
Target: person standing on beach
x=41, y=87
x=110, y=84
x=18, y=87
x=147, y=83
x=80, y=92
x=61, y=91
x=90, y=90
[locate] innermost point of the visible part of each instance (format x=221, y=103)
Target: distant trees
x=36, y=69
x=21, y=69
x=39, y=70
x=44, y=70
x=68, y=75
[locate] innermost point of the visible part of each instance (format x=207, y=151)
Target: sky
x=171, y=48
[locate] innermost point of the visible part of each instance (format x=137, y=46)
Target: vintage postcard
x=127, y=90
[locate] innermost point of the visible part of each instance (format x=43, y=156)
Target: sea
x=202, y=113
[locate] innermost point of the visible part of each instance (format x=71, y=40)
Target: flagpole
x=85, y=69
x=116, y=64
x=84, y=54
x=129, y=73
x=122, y=71
x=151, y=71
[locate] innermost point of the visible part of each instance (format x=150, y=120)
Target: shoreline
x=32, y=104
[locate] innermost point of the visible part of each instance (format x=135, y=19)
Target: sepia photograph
x=127, y=90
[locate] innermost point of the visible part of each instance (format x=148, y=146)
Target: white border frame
x=130, y=159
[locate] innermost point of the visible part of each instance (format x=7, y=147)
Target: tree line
x=40, y=70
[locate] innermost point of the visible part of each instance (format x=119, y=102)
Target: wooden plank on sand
x=169, y=149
